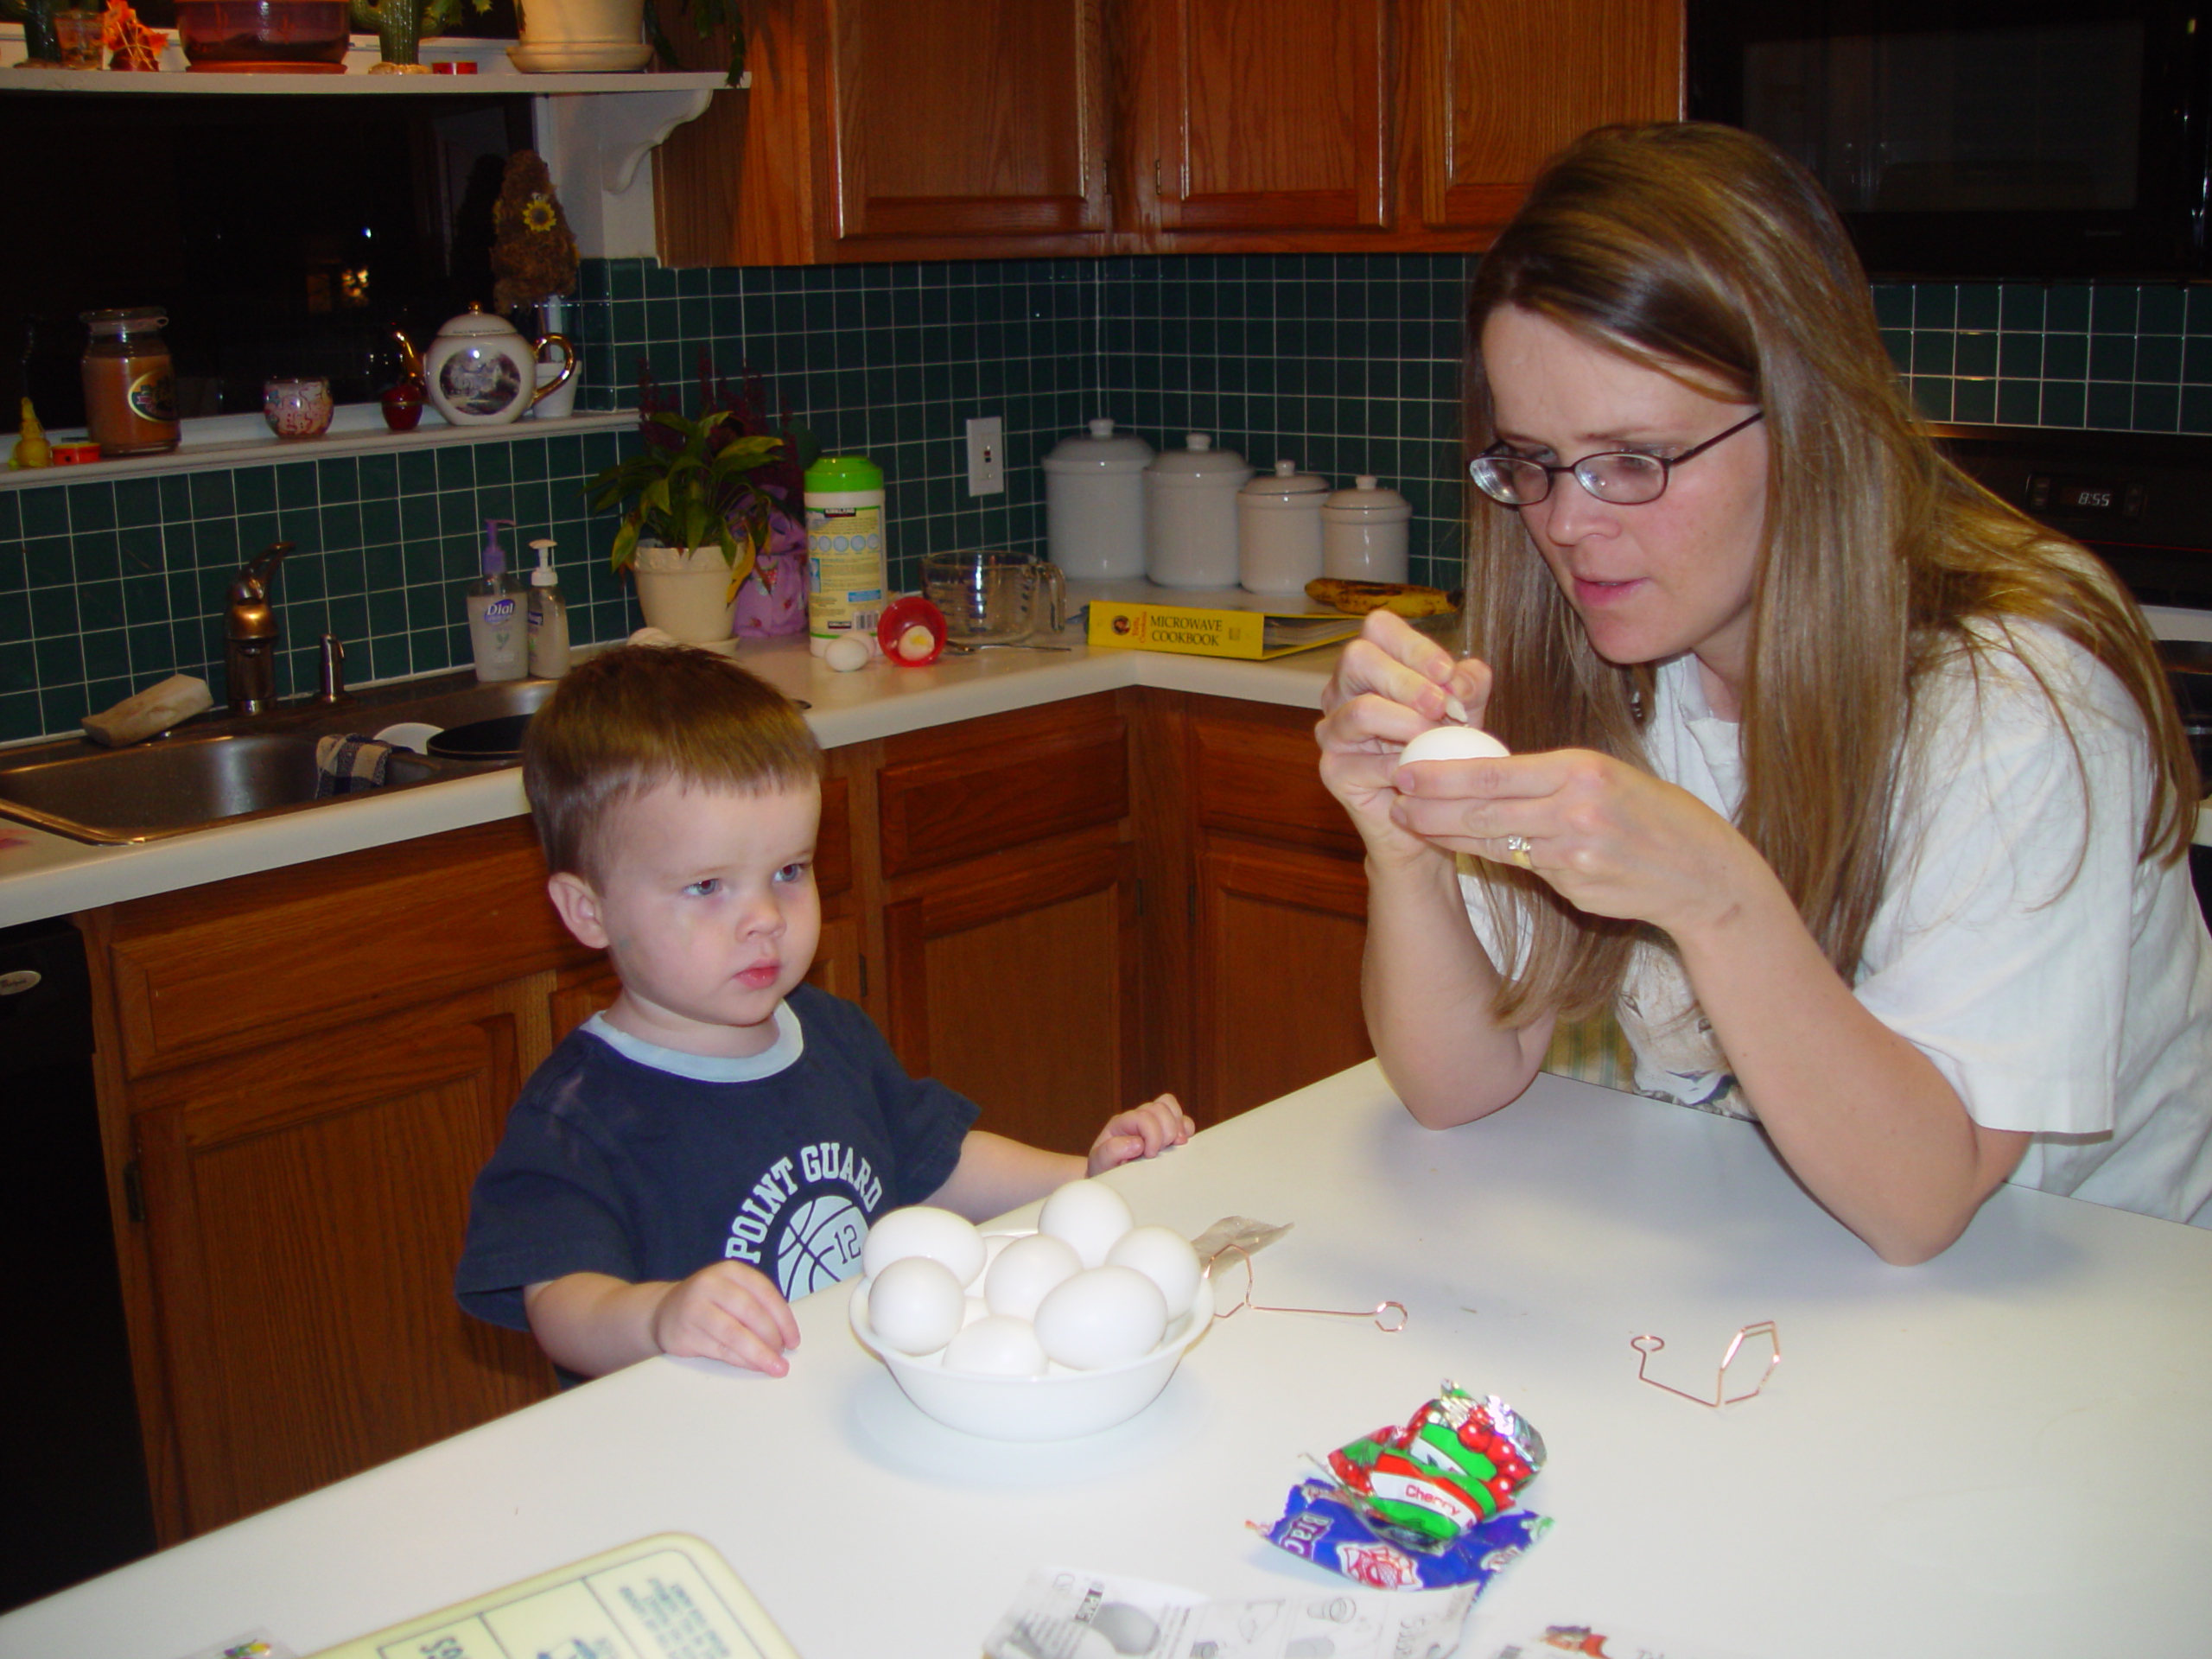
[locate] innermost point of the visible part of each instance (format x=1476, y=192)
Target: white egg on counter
x=1163, y=1257
x=1089, y=1216
x=1102, y=1317
x=1000, y=1346
x=846, y=654
x=1026, y=1271
x=919, y=1229
x=1453, y=743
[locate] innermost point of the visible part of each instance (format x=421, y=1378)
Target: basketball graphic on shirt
x=821, y=1245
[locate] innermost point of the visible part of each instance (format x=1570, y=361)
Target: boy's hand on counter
x=1143, y=1131
x=730, y=1311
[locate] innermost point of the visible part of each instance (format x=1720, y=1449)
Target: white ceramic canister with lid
x=1189, y=514
x=1093, y=505
x=1363, y=533
x=1279, y=529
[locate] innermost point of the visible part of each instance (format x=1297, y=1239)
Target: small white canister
x=1363, y=533
x=1093, y=505
x=1189, y=514
x=1279, y=529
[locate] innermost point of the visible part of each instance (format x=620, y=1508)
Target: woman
x=1858, y=796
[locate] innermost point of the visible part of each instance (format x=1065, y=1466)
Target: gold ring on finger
x=1518, y=846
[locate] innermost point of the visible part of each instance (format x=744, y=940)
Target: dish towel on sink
x=347, y=766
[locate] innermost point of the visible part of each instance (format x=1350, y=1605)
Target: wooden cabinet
x=1010, y=916
x=975, y=129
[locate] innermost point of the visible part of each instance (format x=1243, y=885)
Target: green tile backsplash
x=1346, y=364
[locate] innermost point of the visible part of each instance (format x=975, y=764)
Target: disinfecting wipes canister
x=847, y=570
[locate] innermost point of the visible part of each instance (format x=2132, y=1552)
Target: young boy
x=721, y=1138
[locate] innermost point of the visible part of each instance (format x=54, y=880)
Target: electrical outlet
x=986, y=458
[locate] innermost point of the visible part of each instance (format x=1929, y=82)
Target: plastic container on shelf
x=1093, y=505
x=846, y=549
x=130, y=382
x=1363, y=533
x=234, y=37
x=1279, y=529
x=1189, y=514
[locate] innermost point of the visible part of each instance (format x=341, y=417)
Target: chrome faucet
x=250, y=634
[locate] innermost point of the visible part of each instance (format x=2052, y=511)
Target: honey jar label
x=153, y=396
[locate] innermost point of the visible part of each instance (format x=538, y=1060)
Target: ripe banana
x=1358, y=598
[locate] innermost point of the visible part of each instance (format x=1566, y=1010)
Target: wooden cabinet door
x=1260, y=116
x=1281, y=932
x=306, y=1204
x=1499, y=85
x=1016, y=982
x=1282, y=909
x=978, y=120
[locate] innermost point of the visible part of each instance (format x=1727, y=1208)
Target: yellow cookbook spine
x=1193, y=630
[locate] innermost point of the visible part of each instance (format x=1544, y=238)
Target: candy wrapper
x=1425, y=1504
x=1319, y=1524
x=1457, y=1462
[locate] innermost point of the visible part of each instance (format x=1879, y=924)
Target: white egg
x=919, y=1229
x=1102, y=1317
x=998, y=1346
x=1089, y=1216
x=994, y=1246
x=915, y=1305
x=1453, y=743
x=1163, y=1257
x=972, y=1309
x=846, y=654
x=1025, y=1271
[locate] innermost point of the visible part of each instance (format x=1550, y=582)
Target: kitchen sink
x=226, y=769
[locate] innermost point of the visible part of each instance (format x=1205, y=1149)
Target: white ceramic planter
x=581, y=22
x=684, y=591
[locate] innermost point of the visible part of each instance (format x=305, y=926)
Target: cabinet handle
x=134, y=1195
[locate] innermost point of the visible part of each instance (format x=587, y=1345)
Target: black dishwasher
x=71, y=1463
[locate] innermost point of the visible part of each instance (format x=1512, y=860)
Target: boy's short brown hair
x=634, y=718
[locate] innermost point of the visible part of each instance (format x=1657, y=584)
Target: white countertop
x=2004, y=1452
x=43, y=874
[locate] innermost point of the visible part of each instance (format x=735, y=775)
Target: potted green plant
x=712, y=522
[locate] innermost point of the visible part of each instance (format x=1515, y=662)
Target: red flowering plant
x=729, y=476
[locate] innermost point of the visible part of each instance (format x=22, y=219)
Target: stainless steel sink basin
x=225, y=770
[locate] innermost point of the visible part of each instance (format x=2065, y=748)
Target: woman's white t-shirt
x=2060, y=984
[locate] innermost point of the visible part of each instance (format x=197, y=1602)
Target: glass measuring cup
x=994, y=597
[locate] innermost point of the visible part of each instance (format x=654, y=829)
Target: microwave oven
x=1980, y=138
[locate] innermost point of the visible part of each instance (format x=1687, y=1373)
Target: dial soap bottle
x=549, y=618
x=496, y=622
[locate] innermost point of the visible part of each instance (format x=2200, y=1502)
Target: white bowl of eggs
x=1039, y=1336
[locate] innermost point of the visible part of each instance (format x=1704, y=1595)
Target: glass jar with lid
x=130, y=382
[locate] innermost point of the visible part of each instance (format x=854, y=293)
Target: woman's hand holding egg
x=1392, y=683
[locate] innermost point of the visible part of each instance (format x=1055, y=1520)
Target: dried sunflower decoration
x=533, y=251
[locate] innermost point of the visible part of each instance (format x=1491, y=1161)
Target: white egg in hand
x=1000, y=1346
x=1026, y=1271
x=1089, y=1216
x=1453, y=743
x=920, y=1229
x=1163, y=1257
x=1100, y=1318
x=915, y=1305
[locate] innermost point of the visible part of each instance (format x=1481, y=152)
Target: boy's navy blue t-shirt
x=781, y=1161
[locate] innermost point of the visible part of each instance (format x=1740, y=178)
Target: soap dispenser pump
x=495, y=612
x=549, y=616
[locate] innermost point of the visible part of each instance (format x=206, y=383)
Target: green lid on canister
x=842, y=474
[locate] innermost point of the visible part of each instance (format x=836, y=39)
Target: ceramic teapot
x=479, y=371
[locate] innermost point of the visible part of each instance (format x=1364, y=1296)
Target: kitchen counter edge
x=43, y=875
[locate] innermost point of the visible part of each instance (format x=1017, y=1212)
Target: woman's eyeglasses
x=1619, y=476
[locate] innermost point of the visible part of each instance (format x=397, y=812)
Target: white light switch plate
x=985, y=462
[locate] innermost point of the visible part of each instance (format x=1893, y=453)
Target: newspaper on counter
x=1062, y=1613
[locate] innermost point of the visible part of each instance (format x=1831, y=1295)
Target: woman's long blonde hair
x=1702, y=249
